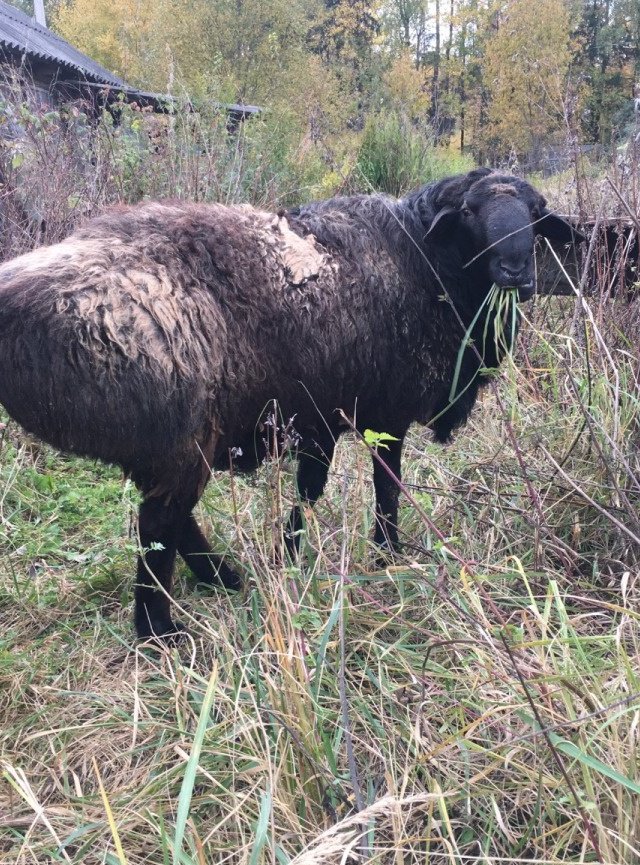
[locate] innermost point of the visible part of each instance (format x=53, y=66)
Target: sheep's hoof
x=212, y=571
x=163, y=632
x=386, y=554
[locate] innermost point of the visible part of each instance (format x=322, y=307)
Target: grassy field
x=476, y=702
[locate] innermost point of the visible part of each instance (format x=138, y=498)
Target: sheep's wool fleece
x=145, y=323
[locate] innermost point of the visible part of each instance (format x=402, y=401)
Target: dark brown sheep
x=156, y=337
x=611, y=258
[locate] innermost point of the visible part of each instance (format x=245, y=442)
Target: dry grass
x=348, y=713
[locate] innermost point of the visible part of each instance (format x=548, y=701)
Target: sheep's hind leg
x=313, y=469
x=158, y=526
x=207, y=568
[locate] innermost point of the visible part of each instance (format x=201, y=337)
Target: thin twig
x=342, y=677
x=588, y=498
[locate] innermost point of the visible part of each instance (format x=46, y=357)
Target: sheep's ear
x=556, y=228
x=442, y=220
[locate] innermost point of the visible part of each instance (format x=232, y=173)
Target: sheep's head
x=493, y=220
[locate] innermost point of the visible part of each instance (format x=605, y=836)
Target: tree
x=343, y=35
x=525, y=70
x=345, y=32
x=609, y=60
x=404, y=27
x=144, y=42
x=404, y=89
x=243, y=50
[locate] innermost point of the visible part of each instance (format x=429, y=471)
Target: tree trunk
x=462, y=85
x=435, y=86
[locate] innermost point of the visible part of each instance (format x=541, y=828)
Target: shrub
x=59, y=165
x=395, y=156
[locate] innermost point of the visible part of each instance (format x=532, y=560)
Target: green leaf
x=377, y=440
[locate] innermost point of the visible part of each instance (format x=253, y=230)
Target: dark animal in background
x=158, y=336
x=612, y=264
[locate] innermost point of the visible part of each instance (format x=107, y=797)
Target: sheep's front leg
x=158, y=528
x=207, y=568
x=387, y=494
x=313, y=469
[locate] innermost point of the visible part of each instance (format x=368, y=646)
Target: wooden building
x=59, y=73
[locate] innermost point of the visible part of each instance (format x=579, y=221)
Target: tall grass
x=476, y=701
x=61, y=165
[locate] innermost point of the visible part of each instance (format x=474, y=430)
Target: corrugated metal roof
x=165, y=101
x=19, y=32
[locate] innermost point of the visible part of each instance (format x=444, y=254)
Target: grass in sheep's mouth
x=500, y=306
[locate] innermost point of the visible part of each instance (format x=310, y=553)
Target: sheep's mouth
x=525, y=291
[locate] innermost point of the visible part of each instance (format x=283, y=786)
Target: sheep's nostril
x=513, y=273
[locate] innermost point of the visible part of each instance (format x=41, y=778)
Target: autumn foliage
x=505, y=79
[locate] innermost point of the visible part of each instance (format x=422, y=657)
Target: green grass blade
x=186, y=790
x=322, y=648
x=262, y=828
x=464, y=343
x=576, y=753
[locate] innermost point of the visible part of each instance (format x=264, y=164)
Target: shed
x=60, y=73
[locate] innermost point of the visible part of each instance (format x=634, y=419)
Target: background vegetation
x=478, y=701
x=507, y=80
x=501, y=78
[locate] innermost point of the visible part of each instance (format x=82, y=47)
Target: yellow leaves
x=525, y=69
x=138, y=39
x=89, y=26
x=407, y=86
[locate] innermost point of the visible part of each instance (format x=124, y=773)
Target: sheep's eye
x=465, y=211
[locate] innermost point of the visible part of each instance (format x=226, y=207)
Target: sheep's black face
x=499, y=226
x=493, y=225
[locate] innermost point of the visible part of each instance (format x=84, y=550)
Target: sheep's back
x=105, y=350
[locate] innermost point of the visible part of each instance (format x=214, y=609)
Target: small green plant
x=377, y=439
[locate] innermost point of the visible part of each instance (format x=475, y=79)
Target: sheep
x=612, y=263
x=158, y=337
